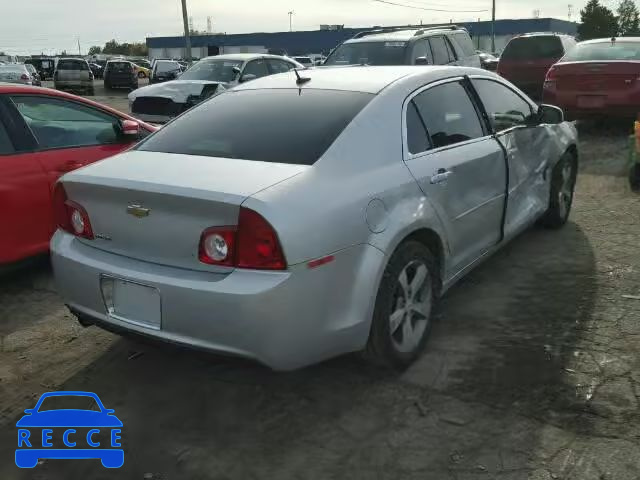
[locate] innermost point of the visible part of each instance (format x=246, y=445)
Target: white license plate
x=131, y=302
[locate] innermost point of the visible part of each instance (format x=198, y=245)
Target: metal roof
x=324, y=40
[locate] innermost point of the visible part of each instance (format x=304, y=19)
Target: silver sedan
x=295, y=218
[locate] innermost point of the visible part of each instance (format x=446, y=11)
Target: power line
x=427, y=8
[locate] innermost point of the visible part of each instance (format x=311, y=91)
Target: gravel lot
x=532, y=372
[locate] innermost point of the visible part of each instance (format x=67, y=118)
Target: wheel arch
x=433, y=241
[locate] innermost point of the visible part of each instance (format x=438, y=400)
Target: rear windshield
x=604, y=51
x=72, y=65
x=281, y=126
x=12, y=68
x=163, y=67
x=533, y=48
x=119, y=66
x=369, y=53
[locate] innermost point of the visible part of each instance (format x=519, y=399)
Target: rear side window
x=285, y=126
x=6, y=146
x=421, y=49
x=533, y=48
x=449, y=114
x=440, y=51
x=417, y=139
x=465, y=43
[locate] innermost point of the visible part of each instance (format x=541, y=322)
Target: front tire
x=405, y=305
x=563, y=182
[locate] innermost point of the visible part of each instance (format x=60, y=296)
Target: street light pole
x=187, y=39
x=493, y=27
x=291, y=21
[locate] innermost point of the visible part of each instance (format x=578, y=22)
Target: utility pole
x=187, y=40
x=493, y=27
x=79, y=53
x=291, y=21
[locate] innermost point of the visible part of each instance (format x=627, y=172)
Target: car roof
x=367, y=79
x=403, y=35
x=72, y=59
x=243, y=56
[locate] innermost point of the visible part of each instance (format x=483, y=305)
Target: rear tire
x=563, y=182
x=405, y=305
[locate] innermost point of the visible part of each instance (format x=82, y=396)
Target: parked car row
x=592, y=78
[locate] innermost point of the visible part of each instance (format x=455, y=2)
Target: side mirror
x=247, y=77
x=236, y=70
x=129, y=128
x=422, y=61
x=550, y=114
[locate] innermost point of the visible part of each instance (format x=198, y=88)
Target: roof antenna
x=301, y=80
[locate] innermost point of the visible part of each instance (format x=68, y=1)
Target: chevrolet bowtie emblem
x=138, y=211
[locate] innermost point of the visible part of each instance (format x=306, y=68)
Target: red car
x=43, y=134
x=598, y=77
x=527, y=58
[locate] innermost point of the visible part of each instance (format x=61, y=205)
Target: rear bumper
x=62, y=84
x=613, y=105
x=284, y=320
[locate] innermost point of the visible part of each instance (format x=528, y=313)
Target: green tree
x=597, y=21
x=628, y=18
x=95, y=50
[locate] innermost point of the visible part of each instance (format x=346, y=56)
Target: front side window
x=449, y=114
x=421, y=49
x=280, y=66
x=60, y=123
x=368, y=53
x=217, y=70
x=285, y=125
x=505, y=108
x=257, y=68
x=465, y=42
x=440, y=51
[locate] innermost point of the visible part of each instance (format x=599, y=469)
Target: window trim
x=37, y=147
x=524, y=98
x=451, y=49
x=408, y=156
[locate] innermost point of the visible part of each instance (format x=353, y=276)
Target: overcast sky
x=34, y=26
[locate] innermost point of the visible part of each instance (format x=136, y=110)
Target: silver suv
x=443, y=45
x=73, y=74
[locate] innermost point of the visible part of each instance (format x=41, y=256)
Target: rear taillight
x=24, y=76
x=253, y=244
x=71, y=216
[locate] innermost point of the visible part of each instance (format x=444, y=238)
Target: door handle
x=441, y=176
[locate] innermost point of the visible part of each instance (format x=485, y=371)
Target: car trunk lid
x=597, y=77
x=154, y=206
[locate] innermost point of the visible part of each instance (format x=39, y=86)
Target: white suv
x=445, y=45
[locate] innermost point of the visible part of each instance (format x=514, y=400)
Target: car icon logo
x=69, y=433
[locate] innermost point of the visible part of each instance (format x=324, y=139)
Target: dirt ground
x=532, y=372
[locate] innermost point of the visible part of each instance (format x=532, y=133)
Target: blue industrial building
x=322, y=41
